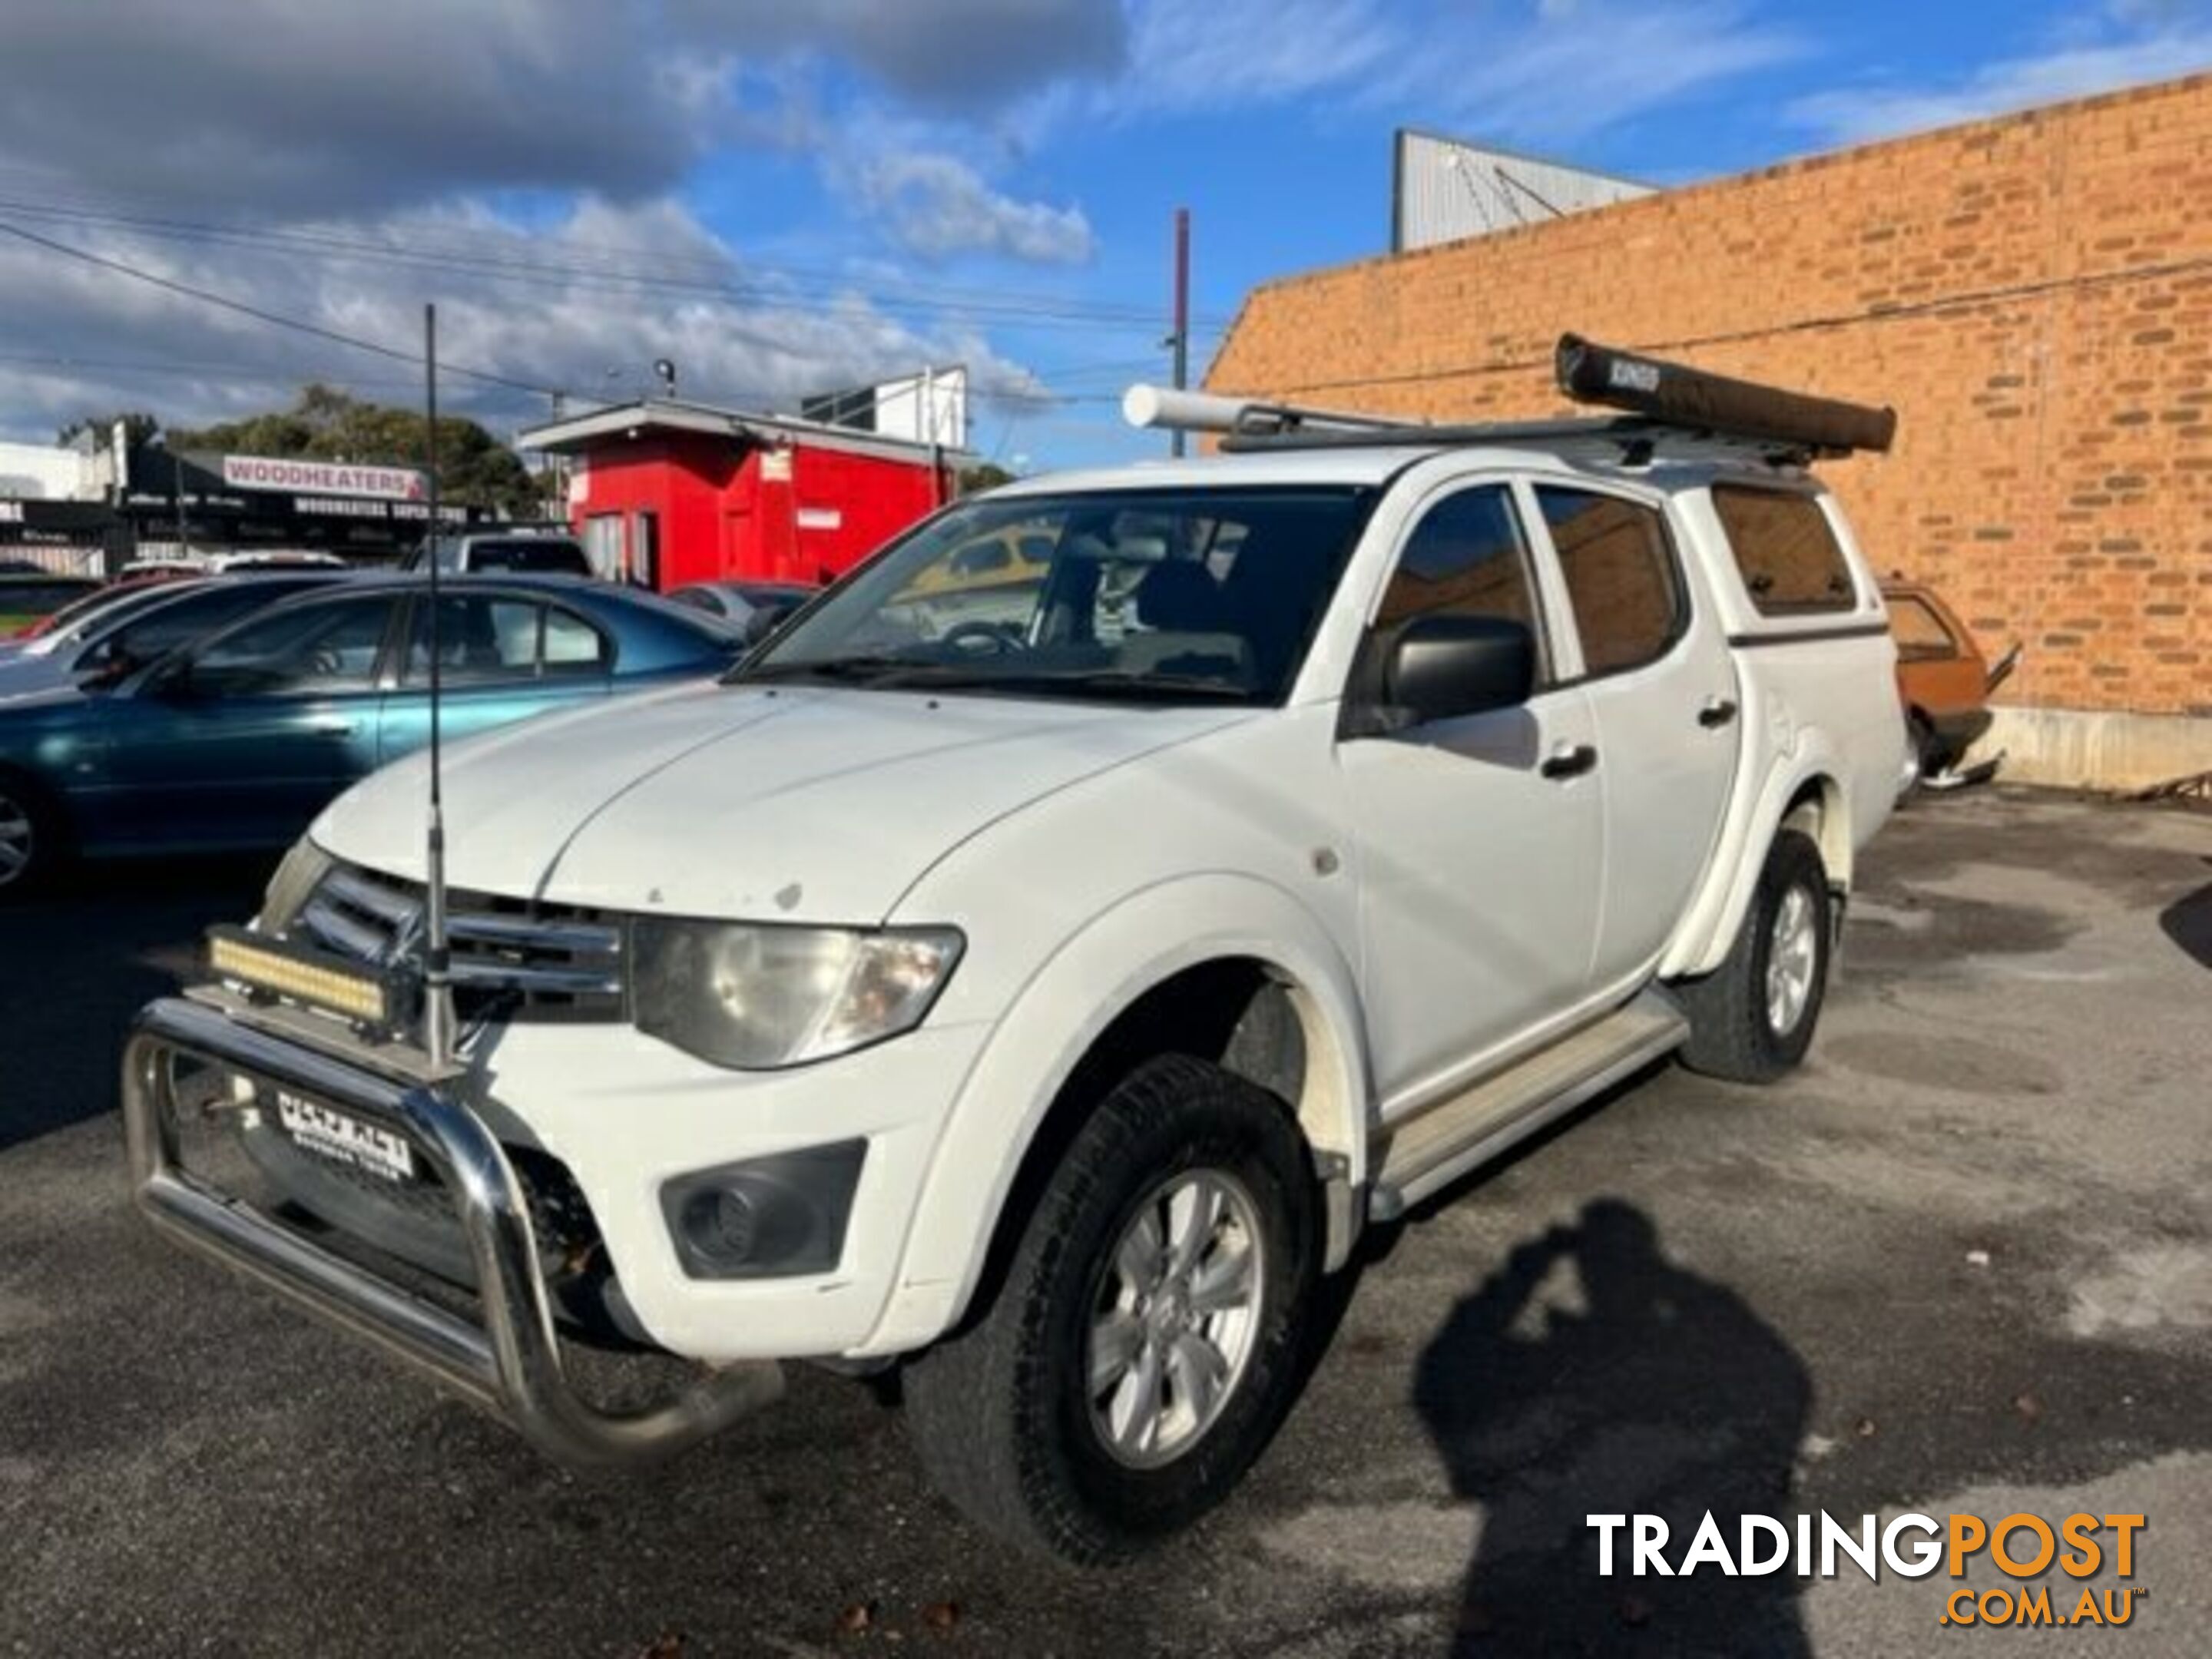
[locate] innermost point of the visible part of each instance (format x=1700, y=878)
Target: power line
x=974, y=304
x=276, y=319
x=206, y=371
x=1039, y=398
x=1020, y=401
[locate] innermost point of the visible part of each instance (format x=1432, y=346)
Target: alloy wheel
x=1793, y=957
x=1176, y=1318
x=18, y=840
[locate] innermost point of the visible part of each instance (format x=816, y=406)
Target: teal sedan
x=235, y=742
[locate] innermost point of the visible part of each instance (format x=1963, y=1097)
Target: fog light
x=766, y=1218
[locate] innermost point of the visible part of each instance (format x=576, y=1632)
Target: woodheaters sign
x=382, y=484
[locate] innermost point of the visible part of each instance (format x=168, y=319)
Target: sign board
x=383, y=484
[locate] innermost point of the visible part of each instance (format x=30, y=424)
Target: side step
x=1437, y=1145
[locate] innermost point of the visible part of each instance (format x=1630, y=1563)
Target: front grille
x=515, y=958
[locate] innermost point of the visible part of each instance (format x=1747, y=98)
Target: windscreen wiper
x=843, y=669
x=1117, y=680
x=890, y=673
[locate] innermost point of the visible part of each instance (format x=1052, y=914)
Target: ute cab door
x=503, y=656
x=1651, y=657
x=1479, y=835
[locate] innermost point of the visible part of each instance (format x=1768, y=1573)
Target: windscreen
x=1191, y=594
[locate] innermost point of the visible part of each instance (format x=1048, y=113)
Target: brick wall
x=2033, y=294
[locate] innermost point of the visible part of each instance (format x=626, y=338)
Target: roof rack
x=1685, y=413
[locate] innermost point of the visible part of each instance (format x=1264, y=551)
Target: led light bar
x=302, y=974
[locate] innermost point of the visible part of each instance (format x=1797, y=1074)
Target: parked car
x=1047, y=1011
x=529, y=552
x=107, y=647
x=1943, y=681
x=85, y=606
x=752, y=608
x=235, y=742
x=238, y=559
x=26, y=598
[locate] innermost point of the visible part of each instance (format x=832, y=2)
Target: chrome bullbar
x=510, y=1364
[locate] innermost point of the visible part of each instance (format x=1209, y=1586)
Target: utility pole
x=177, y=483
x=1181, y=338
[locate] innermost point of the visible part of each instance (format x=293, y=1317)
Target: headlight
x=756, y=997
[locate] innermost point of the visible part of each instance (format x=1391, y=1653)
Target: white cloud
x=554, y=306
x=1561, y=69
x=1570, y=74
x=2179, y=40
x=947, y=55
x=938, y=205
x=1224, y=54
x=275, y=108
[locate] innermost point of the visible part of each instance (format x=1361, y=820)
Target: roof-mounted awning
x=1669, y=409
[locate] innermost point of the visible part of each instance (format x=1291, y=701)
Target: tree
x=138, y=428
x=326, y=424
x=984, y=475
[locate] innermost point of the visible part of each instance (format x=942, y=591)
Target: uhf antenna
x=437, y=959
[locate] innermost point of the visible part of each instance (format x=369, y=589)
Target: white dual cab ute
x=1035, y=976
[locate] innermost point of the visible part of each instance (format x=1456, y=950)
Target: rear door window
x=484, y=640
x=1785, y=551
x=573, y=646
x=540, y=558
x=1620, y=575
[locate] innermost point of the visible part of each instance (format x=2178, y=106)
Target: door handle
x=333, y=728
x=1717, y=712
x=1568, y=760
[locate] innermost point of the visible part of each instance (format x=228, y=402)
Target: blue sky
x=789, y=196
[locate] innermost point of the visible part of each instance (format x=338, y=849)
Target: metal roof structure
x=674, y=414
x=1446, y=190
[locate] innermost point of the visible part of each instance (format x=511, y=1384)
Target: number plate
x=345, y=1139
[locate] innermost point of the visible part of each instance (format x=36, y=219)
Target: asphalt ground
x=1962, y=1263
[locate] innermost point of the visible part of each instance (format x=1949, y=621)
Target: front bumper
x=507, y=1361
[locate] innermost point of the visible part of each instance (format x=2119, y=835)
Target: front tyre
x=1146, y=1339
x=1752, y=1018
x=33, y=844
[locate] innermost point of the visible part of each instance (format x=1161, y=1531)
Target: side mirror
x=766, y=619
x=104, y=667
x=1443, y=667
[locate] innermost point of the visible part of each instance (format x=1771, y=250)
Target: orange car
x=1942, y=679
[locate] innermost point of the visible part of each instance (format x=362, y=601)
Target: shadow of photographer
x=1590, y=1376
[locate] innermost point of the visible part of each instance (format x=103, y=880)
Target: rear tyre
x=1752, y=1018
x=1146, y=1339
x=34, y=845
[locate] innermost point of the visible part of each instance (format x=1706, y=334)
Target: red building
x=664, y=493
